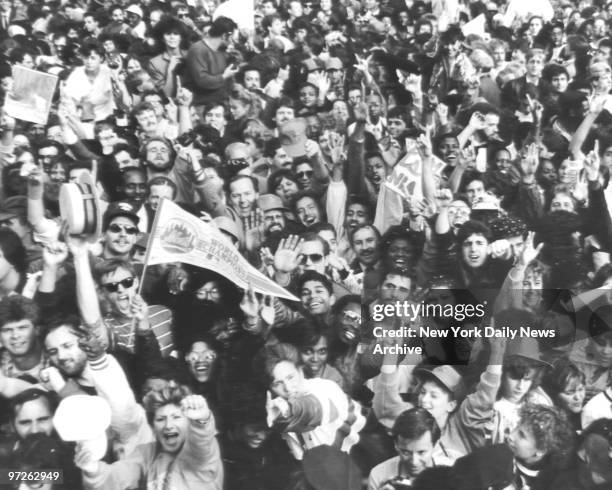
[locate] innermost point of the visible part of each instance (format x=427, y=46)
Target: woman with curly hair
x=185, y=453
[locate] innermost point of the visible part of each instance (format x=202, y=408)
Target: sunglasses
x=113, y=287
x=130, y=230
x=308, y=174
x=235, y=162
x=314, y=258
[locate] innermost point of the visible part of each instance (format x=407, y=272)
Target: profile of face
x=62, y=346
x=120, y=287
x=287, y=380
x=513, y=389
x=376, y=170
x=315, y=297
x=170, y=427
x=314, y=358
x=523, y=444
x=34, y=417
x=18, y=337
x=415, y=454
x=436, y=400
x=238, y=109
x=243, y=196
x=201, y=361
x=474, y=251
x=394, y=288
x=308, y=211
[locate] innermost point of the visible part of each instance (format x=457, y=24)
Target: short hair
x=92, y=47
x=240, y=177
x=517, y=367
x=310, y=194
x=106, y=267
x=473, y=227
x=161, y=180
x=415, y=423
x=172, y=394
x=396, y=271
x=314, y=276
x=322, y=226
x=29, y=395
x=361, y=201
x=363, y=227
x=276, y=177
x=312, y=236
x=549, y=427
x=16, y=308
x=221, y=26
x=142, y=107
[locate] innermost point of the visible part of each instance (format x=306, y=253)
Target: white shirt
x=99, y=92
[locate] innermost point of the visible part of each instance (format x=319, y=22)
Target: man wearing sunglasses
x=120, y=225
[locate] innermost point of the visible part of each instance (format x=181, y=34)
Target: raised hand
x=443, y=198
x=360, y=111
x=84, y=460
x=424, y=145
x=55, y=254
x=249, y=304
x=266, y=312
x=275, y=408
x=530, y=161
x=53, y=379
x=140, y=312
x=500, y=249
x=253, y=230
x=477, y=121
x=312, y=148
x=287, y=257
x=194, y=407
x=177, y=280
x=529, y=252
x=336, y=147
x=581, y=189
x=592, y=163
x=467, y=157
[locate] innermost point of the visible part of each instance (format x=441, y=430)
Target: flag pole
x=148, y=249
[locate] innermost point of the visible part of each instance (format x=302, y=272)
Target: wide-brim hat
x=80, y=207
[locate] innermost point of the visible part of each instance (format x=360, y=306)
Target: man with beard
x=158, y=157
x=61, y=342
x=133, y=189
x=273, y=213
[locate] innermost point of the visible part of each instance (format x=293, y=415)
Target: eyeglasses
x=113, y=287
x=237, y=162
x=196, y=356
x=314, y=258
x=115, y=228
x=308, y=174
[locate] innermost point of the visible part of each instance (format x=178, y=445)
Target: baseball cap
x=120, y=208
x=268, y=202
x=527, y=348
x=333, y=63
x=13, y=207
x=447, y=376
x=293, y=138
x=135, y=9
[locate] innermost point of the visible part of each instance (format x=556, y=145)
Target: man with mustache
x=273, y=213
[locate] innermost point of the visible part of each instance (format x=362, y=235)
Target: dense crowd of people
x=365, y=155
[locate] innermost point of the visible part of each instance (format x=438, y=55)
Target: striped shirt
x=160, y=319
